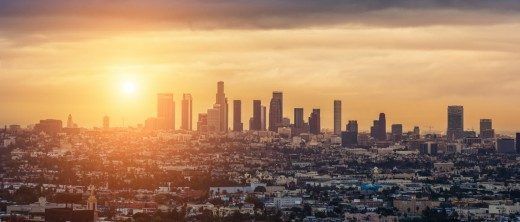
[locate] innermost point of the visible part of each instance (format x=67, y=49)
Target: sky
x=409, y=59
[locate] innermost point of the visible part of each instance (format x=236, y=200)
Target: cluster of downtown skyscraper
x=215, y=119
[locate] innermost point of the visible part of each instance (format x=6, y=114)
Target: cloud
x=53, y=15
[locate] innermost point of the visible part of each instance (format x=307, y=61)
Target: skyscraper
x=337, y=117
x=165, y=111
x=106, y=122
x=263, y=120
x=238, y=126
x=213, y=119
x=276, y=111
x=70, y=124
x=455, y=122
x=374, y=129
x=397, y=132
x=202, y=122
x=381, y=128
x=349, y=137
x=298, y=126
x=256, y=121
x=417, y=131
x=298, y=118
x=187, y=112
x=222, y=101
x=486, y=129
x=315, y=122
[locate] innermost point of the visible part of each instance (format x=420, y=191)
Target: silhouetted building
x=256, y=121
x=222, y=101
x=299, y=123
x=315, y=122
x=214, y=122
x=70, y=124
x=349, y=138
x=397, y=132
x=165, y=111
x=298, y=118
x=506, y=145
x=417, y=132
x=49, y=126
x=106, y=122
x=455, y=122
x=238, y=126
x=374, y=128
x=202, y=122
x=428, y=148
x=187, y=112
x=276, y=111
x=486, y=129
x=337, y=117
x=381, y=128
x=469, y=133
x=263, y=120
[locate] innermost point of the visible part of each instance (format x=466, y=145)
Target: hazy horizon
x=409, y=60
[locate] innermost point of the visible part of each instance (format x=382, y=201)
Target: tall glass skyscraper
x=337, y=117
x=276, y=111
x=238, y=126
x=455, y=122
x=165, y=111
x=187, y=112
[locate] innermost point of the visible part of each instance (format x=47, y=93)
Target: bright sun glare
x=128, y=87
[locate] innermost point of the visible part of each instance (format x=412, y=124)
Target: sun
x=128, y=87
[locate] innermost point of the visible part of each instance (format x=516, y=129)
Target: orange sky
x=409, y=71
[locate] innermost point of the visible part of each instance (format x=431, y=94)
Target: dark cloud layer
x=41, y=15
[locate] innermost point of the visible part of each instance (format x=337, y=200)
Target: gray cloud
x=26, y=16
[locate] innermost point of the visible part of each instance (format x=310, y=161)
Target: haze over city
x=259, y=110
x=407, y=59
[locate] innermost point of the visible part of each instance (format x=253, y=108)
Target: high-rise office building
x=337, y=117
x=455, y=122
x=187, y=112
x=70, y=124
x=263, y=120
x=214, y=121
x=298, y=118
x=202, y=122
x=106, y=122
x=505, y=145
x=486, y=129
x=374, y=129
x=430, y=148
x=349, y=138
x=397, y=132
x=238, y=126
x=276, y=111
x=49, y=126
x=299, y=123
x=417, y=131
x=315, y=122
x=165, y=111
x=381, y=128
x=222, y=101
x=256, y=121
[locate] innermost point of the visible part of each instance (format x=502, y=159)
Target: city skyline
x=187, y=101
x=259, y=110
x=371, y=56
